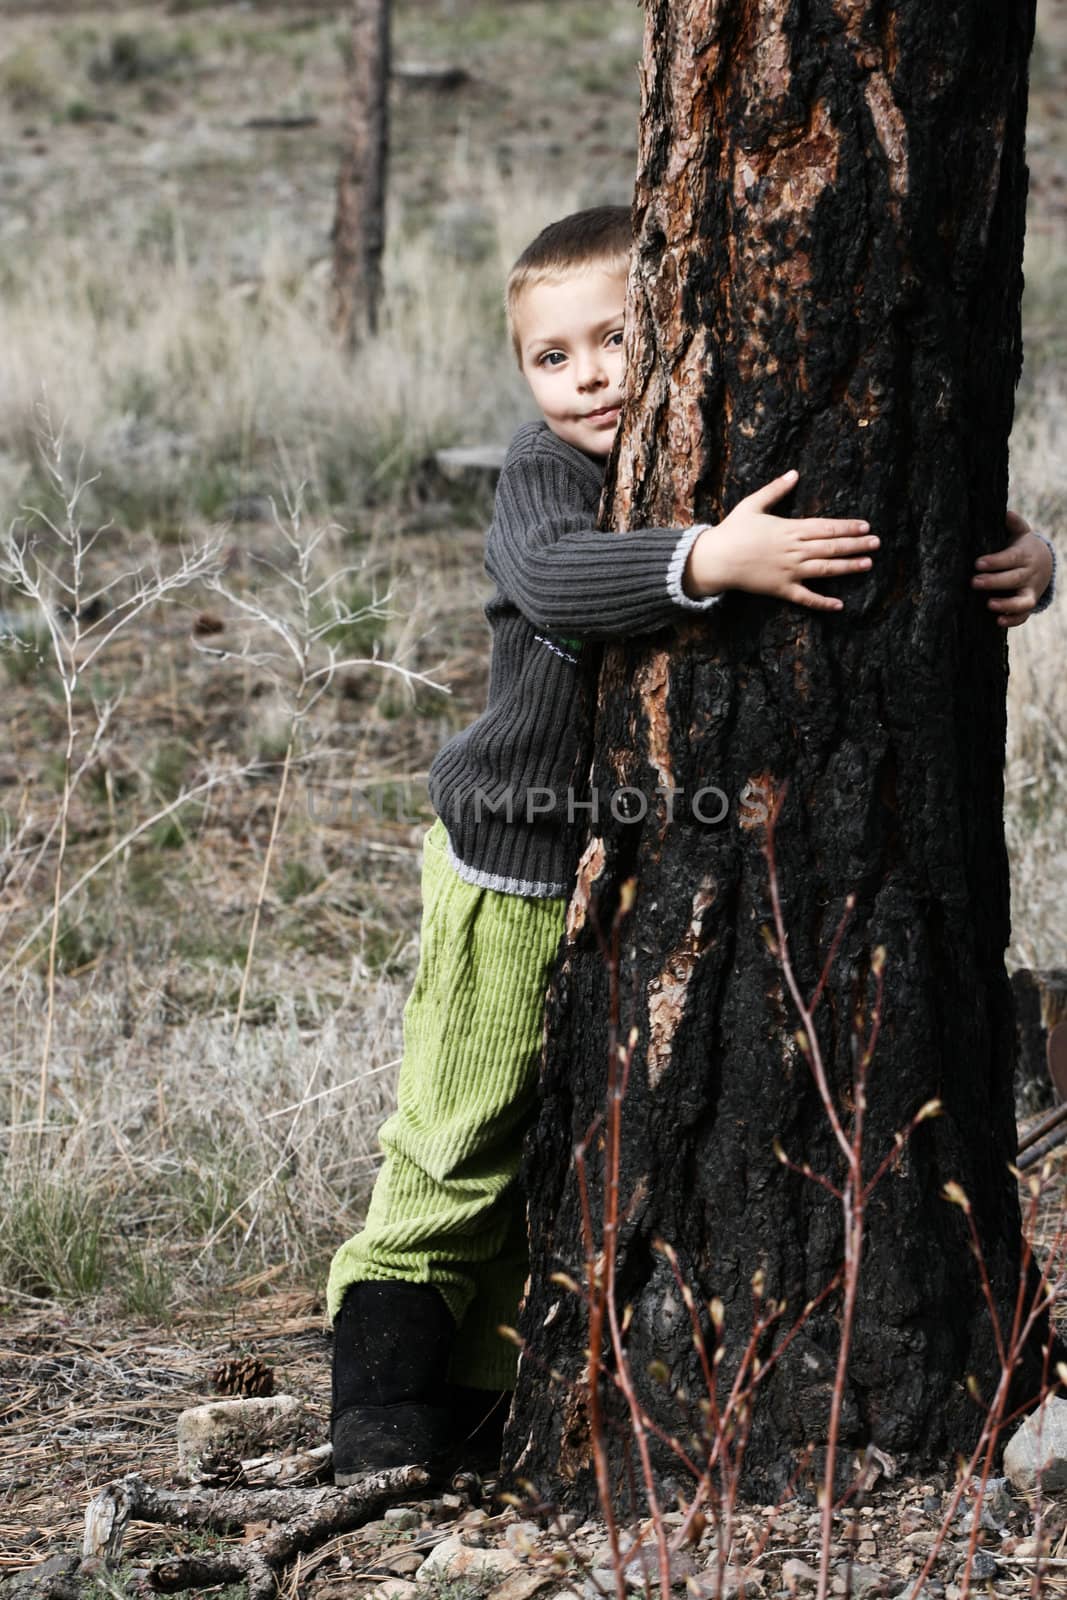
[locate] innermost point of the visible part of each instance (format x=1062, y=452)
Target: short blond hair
x=599, y=237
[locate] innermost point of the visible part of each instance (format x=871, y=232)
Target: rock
x=1032, y=1547
x=795, y=1571
x=454, y=1559
x=736, y=1585
x=56, y=1576
x=394, y=1589
x=524, y=1583
x=984, y=1565
x=644, y=1575
x=219, y=1435
x=998, y=1507
x=401, y=1517
x=406, y=1563
x=378, y=1529
x=644, y=1559
x=522, y=1537
x=447, y=1508
x=868, y=1582
x=1022, y=1457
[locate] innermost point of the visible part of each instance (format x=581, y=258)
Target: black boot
x=391, y=1406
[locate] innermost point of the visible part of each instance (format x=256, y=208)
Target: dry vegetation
x=164, y=269
x=164, y=353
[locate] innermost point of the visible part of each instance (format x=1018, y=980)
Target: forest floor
x=87, y=1400
x=167, y=180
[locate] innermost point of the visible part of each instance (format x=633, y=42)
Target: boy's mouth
x=603, y=411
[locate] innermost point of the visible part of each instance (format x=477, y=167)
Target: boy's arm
x=569, y=577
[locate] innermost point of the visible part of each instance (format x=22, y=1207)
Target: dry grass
x=176, y=1159
x=187, y=392
x=1036, y=772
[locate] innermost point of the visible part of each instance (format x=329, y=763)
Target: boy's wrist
x=704, y=577
x=686, y=587
x=1044, y=599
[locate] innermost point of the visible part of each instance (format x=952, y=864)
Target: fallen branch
x=303, y=1518
x=1045, y=1135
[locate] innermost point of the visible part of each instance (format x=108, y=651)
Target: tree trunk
x=359, y=220
x=829, y=219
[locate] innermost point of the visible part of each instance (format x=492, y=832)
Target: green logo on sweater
x=556, y=643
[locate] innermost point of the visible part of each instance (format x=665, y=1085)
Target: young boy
x=417, y=1296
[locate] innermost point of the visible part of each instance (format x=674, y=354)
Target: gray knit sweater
x=510, y=788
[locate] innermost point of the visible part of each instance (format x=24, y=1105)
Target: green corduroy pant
x=445, y=1208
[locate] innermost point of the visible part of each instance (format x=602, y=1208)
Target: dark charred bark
x=829, y=221
x=359, y=219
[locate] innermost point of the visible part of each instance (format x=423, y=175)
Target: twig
x=23, y=566
x=1054, y=1119
x=116, y=849
x=261, y=893
x=305, y=1516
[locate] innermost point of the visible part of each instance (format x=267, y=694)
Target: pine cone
x=246, y=1376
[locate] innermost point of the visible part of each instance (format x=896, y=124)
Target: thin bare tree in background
x=359, y=221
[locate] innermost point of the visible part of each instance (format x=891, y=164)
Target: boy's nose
x=592, y=374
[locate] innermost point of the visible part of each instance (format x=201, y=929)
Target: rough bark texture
x=829, y=220
x=359, y=220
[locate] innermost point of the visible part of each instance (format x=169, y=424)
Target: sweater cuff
x=1047, y=598
x=677, y=568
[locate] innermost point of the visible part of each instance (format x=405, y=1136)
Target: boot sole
x=373, y=1438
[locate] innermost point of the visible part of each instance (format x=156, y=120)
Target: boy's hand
x=1024, y=567
x=764, y=554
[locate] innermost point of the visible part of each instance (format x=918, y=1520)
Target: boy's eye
x=615, y=339
x=551, y=358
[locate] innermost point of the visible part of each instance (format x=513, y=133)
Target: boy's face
x=570, y=344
